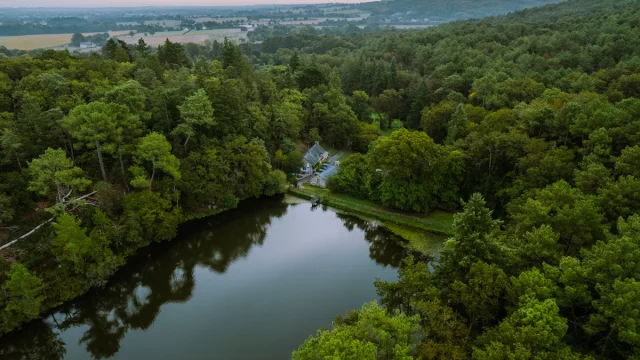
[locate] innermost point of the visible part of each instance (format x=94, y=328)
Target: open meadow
x=32, y=42
x=170, y=23
x=182, y=37
x=219, y=19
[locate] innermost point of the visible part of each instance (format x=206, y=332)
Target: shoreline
x=413, y=230
x=48, y=308
x=420, y=234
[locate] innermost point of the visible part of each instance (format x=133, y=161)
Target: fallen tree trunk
x=44, y=223
x=25, y=235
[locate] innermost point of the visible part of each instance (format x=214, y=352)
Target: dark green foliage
x=532, y=118
x=406, y=171
x=173, y=55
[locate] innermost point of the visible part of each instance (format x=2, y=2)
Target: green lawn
x=395, y=125
x=425, y=232
x=419, y=240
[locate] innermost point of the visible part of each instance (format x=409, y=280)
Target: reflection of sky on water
x=253, y=283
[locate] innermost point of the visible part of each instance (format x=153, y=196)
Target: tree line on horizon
x=531, y=118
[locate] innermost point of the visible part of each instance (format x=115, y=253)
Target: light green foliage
x=574, y=292
x=406, y=154
x=374, y=334
x=155, y=151
x=368, y=134
x=534, y=331
x=149, y=217
x=88, y=256
x=335, y=345
x=617, y=316
x=53, y=173
x=629, y=227
x=314, y=135
x=100, y=125
x=531, y=284
x=24, y=292
x=197, y=114
x=617, y=258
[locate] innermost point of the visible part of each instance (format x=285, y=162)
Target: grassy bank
x=425, y=232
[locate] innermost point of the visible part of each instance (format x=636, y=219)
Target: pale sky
x=113, y=3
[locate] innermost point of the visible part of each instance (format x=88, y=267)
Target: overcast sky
x=104, y=3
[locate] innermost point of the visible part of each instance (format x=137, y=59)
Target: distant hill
x=445, y=10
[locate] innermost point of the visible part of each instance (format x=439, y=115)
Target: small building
x=315, y=155
x=87, y=45
x=321, y=179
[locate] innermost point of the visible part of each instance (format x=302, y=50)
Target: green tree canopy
x=54, y=173
x=154, y=151
x=371, y=333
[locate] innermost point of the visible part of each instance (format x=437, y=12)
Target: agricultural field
x=190, y=37
x=309, y=21
x=129, y=23
x=344, y=11
x=219, y=19
x=170, y=23
x=32, y=42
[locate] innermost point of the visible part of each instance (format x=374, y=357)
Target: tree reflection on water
x=385, y=248
x=164, y=274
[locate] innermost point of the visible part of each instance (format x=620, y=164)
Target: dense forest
x=531, y=118
x=111, y=156
x=445, y=10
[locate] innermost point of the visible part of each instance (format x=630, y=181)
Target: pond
x=252, y=283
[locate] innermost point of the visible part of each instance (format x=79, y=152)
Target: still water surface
x=252, y=283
